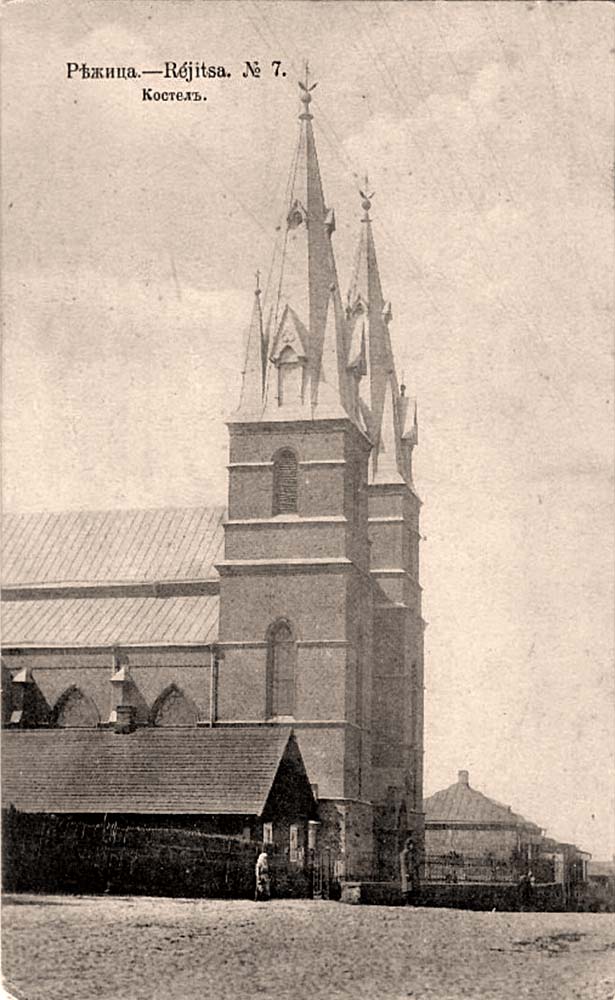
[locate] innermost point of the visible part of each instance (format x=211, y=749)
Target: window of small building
x=285, y=483
x=282, y=660
x=267, y=833
x=294, y=842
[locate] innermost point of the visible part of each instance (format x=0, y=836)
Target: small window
x=285, y=483
x=294, y=842
x=267, y=833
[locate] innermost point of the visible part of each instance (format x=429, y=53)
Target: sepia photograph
x=308, y=558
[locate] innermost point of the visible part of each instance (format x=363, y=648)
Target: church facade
x=298, y=607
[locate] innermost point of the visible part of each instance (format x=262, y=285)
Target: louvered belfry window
x=282, y=654
x=285, y=483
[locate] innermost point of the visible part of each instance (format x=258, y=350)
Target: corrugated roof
x=459, y=803
x=104, y=621
x=149, y=771
x=116, y=546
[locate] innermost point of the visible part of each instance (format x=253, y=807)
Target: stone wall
x=475, y=896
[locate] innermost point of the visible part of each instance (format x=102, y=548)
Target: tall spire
x=299, y=307
x=251, y=399
x=369, y=316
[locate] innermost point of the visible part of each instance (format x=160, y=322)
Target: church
x=181, y=663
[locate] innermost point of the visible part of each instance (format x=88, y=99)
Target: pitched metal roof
x=461, y=804
x=116, y=546
x=108, y=621
x=207, y=771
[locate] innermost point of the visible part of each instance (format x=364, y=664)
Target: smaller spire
x=387, y=452
x=251, y=399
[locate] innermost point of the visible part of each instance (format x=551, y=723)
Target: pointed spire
x=251, y=399
x=298, y=309
x=387, y=455
x=409, y=426
x=368, y=310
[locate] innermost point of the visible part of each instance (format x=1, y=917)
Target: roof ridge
x=46, y=511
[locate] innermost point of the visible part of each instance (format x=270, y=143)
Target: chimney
x=124, y=719
x=463, y=777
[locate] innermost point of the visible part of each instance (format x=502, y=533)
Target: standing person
x=407, y=872
x=263, y=885
x=526, y=891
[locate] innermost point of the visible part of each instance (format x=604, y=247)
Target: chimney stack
x=463, y=777
x=125, y=719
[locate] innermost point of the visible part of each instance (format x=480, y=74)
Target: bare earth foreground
x=77, y=948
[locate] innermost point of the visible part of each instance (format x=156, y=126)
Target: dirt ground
x=127, y=948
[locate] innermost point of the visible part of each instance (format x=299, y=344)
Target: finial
x=306, y=96
x=257, y=290
x=366, y=203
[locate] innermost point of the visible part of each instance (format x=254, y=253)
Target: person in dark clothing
x=408, y=872
x=526, y=891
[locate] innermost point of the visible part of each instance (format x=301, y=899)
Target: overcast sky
x=132, y=231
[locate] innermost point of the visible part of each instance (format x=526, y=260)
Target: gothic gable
x=291, y=339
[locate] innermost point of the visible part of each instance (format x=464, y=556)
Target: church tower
x=393, y=524
x=295, y=589
x=320, y=623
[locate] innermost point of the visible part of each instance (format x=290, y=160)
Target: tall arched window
x=282, y=655
x=285, y=483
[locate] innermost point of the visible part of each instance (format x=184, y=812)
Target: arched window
x=74, y=710
x=282, y=655
x=285, y=483
x=173, y=708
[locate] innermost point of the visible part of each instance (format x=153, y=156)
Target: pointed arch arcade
x=173, y=708
x=75, y=710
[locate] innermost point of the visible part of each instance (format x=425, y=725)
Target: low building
x=248, y=786
x=460, y=820
x=487, y=855
x=600, y=891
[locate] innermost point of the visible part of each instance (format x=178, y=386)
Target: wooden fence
x=47, y=853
